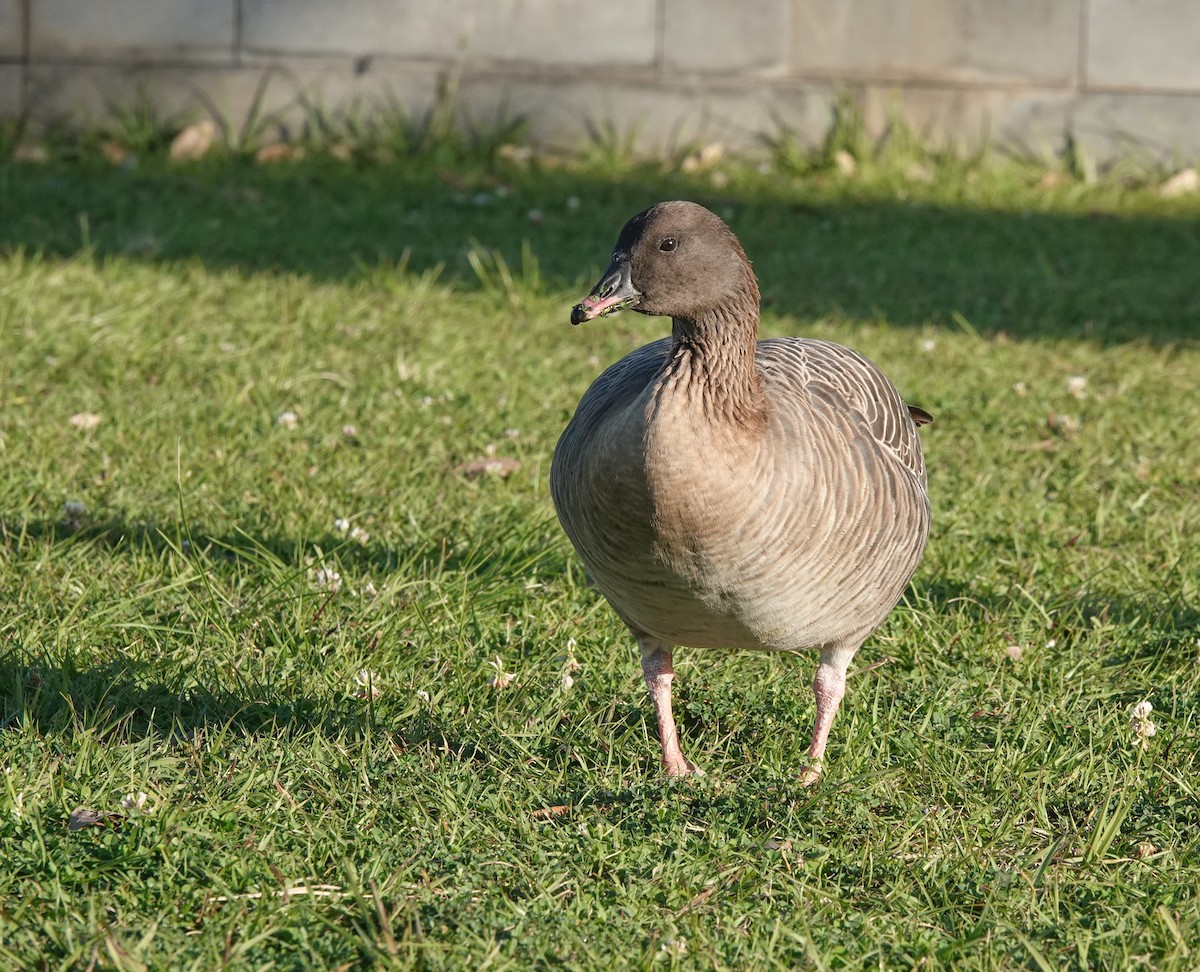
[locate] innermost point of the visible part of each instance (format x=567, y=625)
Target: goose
x=725, y=492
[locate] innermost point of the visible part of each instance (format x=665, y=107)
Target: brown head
x=675, y=260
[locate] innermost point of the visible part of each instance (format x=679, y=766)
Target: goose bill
x=613, y=293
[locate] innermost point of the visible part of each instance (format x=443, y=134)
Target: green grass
x=979, y=811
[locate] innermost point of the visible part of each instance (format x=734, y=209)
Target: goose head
x=676, y=259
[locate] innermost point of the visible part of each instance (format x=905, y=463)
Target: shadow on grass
x=179, y=691
x=127, y=697
x=909, y=257
x=506, y=551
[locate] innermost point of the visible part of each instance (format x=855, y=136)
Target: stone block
x=276, y=94
x=1030, y=41
x=1144, y=43
x=10, y=90
x=12, y=39
x=116, y=29
x=546, y=32
x=657, y=118
x=1150, y=126
x=714, y=36
x=1035, y=123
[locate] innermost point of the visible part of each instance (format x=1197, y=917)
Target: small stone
x=918, y=172
x=845, y=163
x=1180, y=184
x=194, y=142
x=115, y=152
x=30, y=152
x=278, y=152
x=1053, y=180
x=519, y=154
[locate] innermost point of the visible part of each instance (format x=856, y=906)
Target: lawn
x=256, y=618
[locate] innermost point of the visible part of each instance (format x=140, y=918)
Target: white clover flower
x=928, y=344
x=328, y=579
x=1077, y=386
x=359, y=535
x=568, y=660
x=133, y=801
x=675, y=947
x=350, y=431
x=288, y=419
x=1019, y=389
x=368, y=684
x=1143, y=728
x=341, y=525
x=73, y=513
x=501, y=679
x=423, y=696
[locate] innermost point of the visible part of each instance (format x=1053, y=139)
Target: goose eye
x=668, y=244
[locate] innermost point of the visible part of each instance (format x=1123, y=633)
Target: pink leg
x=659, y=672
x=828, y=688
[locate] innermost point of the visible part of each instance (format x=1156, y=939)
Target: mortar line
x=25, y=83
x=237, y=33
x=660, y=38
x=1085, y=7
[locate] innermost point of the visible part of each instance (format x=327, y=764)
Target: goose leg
x=660, y=672
x=828, y=688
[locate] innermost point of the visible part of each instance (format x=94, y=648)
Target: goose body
x=729, y=493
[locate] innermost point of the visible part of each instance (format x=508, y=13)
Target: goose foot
x=684, y=767
x=658, y=668
x=828, y=689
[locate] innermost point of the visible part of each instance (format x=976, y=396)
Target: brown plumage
x=726, y=492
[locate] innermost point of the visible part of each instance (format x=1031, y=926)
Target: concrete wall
x=1115, y=74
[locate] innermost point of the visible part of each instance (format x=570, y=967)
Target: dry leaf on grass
x=84, y=420
x=84, y=817
x=300, y=890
